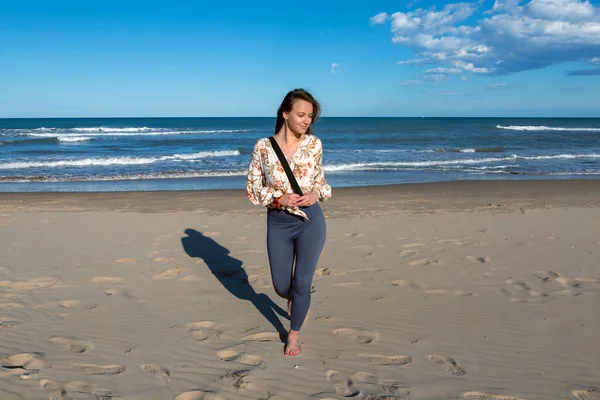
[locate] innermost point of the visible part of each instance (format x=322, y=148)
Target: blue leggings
x=290, y=236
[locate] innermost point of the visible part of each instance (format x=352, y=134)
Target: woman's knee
x=282, y=290
x=302, y=288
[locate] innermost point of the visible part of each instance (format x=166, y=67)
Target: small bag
x=286, y=167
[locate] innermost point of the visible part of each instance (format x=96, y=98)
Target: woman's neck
x=290, y=137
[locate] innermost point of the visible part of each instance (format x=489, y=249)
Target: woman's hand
x=289, y=200
x=307, y=200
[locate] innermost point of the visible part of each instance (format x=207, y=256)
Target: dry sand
x=475, y=290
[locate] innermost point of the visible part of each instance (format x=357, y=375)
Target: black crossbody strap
x=286, y=167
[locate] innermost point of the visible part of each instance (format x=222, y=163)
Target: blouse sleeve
x=259, y=192
x=319, y=183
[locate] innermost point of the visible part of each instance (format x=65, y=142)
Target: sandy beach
x=485, y=290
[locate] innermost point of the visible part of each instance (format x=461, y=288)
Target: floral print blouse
x=267, y=179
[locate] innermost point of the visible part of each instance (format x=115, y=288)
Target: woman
x=295, y=223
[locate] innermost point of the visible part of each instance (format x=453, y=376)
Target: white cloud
x=442, y=70
x=379, y=19
x=444, y=93
x=510, y=37
x=333, y=67
x=416, y=61
x=410, y=82
x=464, y=78
x=435, y=78
x=497, y=86
x=570, y=10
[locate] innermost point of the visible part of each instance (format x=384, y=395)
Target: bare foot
x=292, y=347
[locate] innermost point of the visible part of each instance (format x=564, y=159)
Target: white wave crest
x=545, y=128
x=104, y=162
x=73, y=138
x=442, y=163
x=106, y=129
x=91, y=132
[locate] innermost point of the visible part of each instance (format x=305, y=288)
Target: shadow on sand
x=228, y=270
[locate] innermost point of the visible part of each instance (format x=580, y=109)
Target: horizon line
x=322, y=117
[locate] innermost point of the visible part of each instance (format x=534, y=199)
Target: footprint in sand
x=354, y=235
x=412, y=245
x=170, y=273
x=518, y=300
x=440, y=249
x=106, y=279
x=10, y=306
x=263, y=337
x=407, y=253
x=479, y=259
x=8, y=322
x=259, y=281
x=362, y=270
x=232, y=355
x=447, y=292
x=358, y=335
x=343, y=385
x=447, y=363
x=518, y=284
x=257, y=269
x=54, y=389
x=37, y=283
x=389, y=385
x=365, y=377
x=565, y=292
x=589, y=394
x=457, y=242
x=83, y=387
x=72, y=344
x=164, y=259
x=545, y=275
x=566, y=282
x=99, y=369
x=486, y=396
x=348, y=284
x=157, y=371
x=386, y=360
x=76, y=304
x=403, y=283
x=198, y=395
x=423, y=262
x=235, y=379
x=28, y=361
x=125, y=261
x=201, y=329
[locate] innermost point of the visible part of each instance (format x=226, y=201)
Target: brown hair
x=288, y=103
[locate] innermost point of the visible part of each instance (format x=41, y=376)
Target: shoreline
x=501, y=195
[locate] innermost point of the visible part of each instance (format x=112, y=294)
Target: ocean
x=142, y=154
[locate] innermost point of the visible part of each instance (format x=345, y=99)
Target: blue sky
x=238, y=58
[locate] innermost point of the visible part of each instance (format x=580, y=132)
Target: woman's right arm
x=259, y=193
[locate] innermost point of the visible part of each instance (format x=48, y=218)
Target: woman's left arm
x=319, y=184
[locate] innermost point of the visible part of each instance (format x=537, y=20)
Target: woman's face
x=300, y=118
